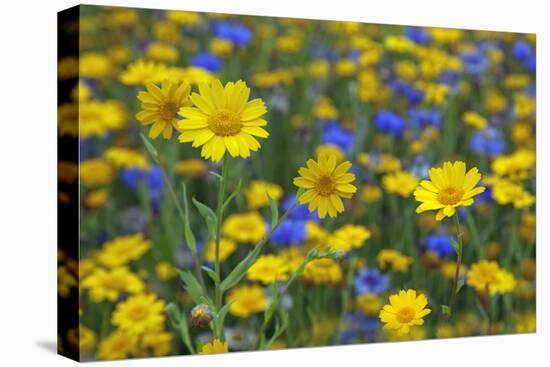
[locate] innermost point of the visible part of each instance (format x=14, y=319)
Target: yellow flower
x=515, y=166
x=326, y=183
x=369, y=303
x=448, y=269
x=109, y=284
x=139, y=314
x=483, y=274
x=450, y=187
x=258, y=191
x=94, y=65
x=508, y=192
x=505, y=282
x=118, y=345
x=192, y=167
x=323, y=271
x=223, y=119
x=95, y=172
x=345, y=67
x=220, y=47
x=141, y=72
x=324, y=109
x=165, y=270
x=330, y=149
x=214, y=347
x=405, y=310
x=123, y=249
x=159, y=343
x=96, y=198
x=183, y=17
x=227, y=247
x=495, y=101
x=268, y=269
x=96, y=118
x=161, y=106
x=245, y=227
x=246, y=300
x=65, y=281
x=126, y=158
x=162, y=52
x=83, y=338
x=316, y=235
x=397, y=261
x=475, y=120
x=371, y=194
x=401, y=183
x=319, y=68
x=348, y=237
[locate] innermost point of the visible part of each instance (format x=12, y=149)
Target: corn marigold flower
x=126, y=158
x=111, y=283
x=326, y=183
x=223, y=119
x=65, y=281
x=246, y=300
x=245, y=227
x=139, y=314
x=401, y=183
x=516, y=166
x=405, y=310
x=475, y=120
x=396, y=260
x=201, y=315
x=448, y=268
x=192, y=167
x=141, y=72
x=268, y=269
x=369, y=303
x=118, y=345
x=348, y=237
x=216, y=346
x=449, y=188
x=157, y=344
x=95, y=172
x=165, y=270
x=508, y=192
x=226, y=248
x=330, y=149
x=489, y=275
x=160, y=106
x=82, y=339
x=323, y=271
x=123, y=249
x=258, y=191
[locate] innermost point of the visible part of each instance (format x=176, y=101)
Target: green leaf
x=240, y=270
x=220, y=318
x=209, y=217
x=459, y=285
x=150, y=147
x=455, y=246
x=274, y=211
x=179, y=323
x=212, y=274
x=300, y=192
x=274, y=303
x=445, y=310
x=232, y=196
x=192, y=285
x=280, y=328
x=174, y=315
x=217, y=175
x=187, y=232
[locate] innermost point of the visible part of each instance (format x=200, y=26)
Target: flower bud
x=201, y=316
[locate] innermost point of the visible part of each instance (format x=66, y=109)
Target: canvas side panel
x=68, y=184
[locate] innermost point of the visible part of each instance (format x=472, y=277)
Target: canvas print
x=242, y=183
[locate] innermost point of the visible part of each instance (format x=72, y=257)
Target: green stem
x=458, y=264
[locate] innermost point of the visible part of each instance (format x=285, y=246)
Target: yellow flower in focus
x=326, y=183
x=126, y=158
x=110, y=284
x=245, y=227
x=246, y=300
x=123, y=249
x=371, y=194
x=268, y=269
x=165, y=270
x=398, y=262
x=223, y=119
x=258, y=191
x=214, y=347
x=449, y=188
x=474, y=120
x=95, y=172
x=369, y=303
x=141, y=72
x=401, y=183
x=348, y=237
x=330, y=149
x=118, y=345
x=405, y=310
x=227, y=247
x=161, y=105
x=192, y=167
x=139, y=314
x=323, y=271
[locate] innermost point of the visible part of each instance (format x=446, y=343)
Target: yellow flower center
x=169, y=110
x=138, y=313
x=225, y=123
x=405, y=314
x=325, y=186
x=450, y=195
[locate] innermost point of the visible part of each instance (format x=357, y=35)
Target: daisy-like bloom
x=268, y=269
x=405, y=310
x=509, y=192
x=126, y=158
x=139, y=314
x=160, y=106
x=326, y=183
x=323, y=271
x=216, y=346
x=123, y=249
x=141, y=72
x=369, y=303
x=227, y=247
x=223, y=119
x=485, y=274
x=395, y=259
x=245, y=227
x=257, y=191
x=95, y=172
x=401, y=183
x=246, y=300
x=118, y=345
x=165, y=270
x=157, y=344
x=449, y=188
x=348, y=237
x=109, y=284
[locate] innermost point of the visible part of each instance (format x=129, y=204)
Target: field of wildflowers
x=252, y=183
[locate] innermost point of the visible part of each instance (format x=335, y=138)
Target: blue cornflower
x=370, y=281
x=522, y=50
x=418, y=35
x=290, y=232
x=474, y=61
x=389, y=122
x=301, y=211
x=441, y=244
x=235, y=32
x=488, y=141
x=335, y=134
x=413, y=95
x=425, y=117
x=153, y=178
x=207, y=61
